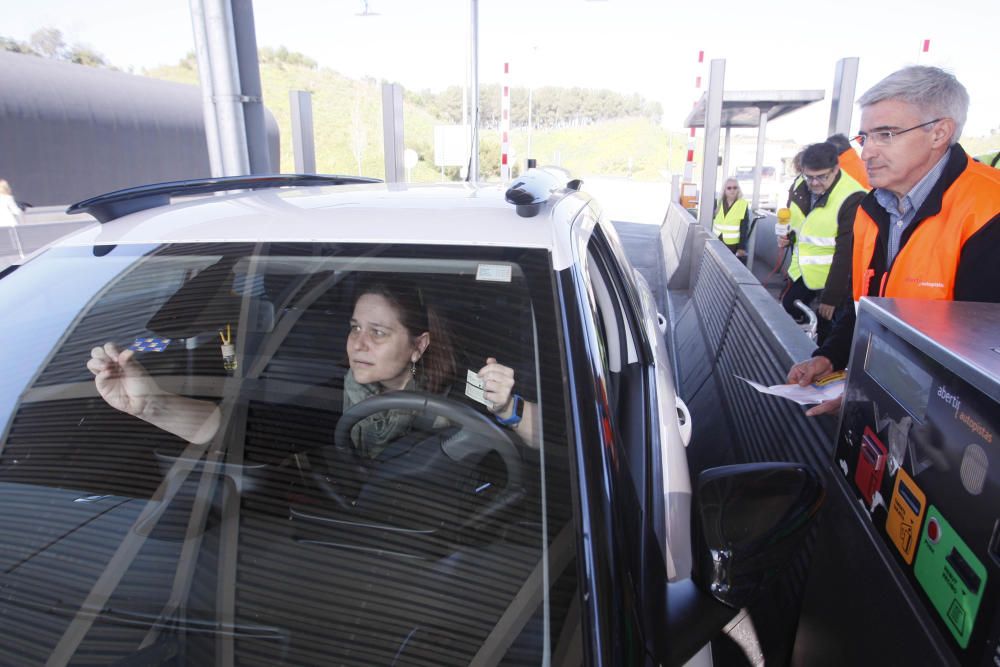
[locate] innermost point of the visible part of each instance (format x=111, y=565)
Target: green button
x=951, y=575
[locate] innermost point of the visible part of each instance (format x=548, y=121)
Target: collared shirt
x=902, y=211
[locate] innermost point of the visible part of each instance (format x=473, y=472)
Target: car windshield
x=285, y=536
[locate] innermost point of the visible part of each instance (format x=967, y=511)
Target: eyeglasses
x=884, y=137
x=818, y=178
x=732, y=187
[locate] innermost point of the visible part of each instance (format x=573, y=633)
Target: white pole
x=530, y=154
x=226, y=87
x=474, y=161
x=207, y=94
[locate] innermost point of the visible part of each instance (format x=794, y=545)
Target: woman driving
x=396, y=342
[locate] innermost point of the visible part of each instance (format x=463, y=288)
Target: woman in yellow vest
x=732, y=217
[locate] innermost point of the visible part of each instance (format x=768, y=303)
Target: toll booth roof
x=742, y=108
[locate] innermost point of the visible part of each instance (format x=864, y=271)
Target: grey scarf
x=376, y=432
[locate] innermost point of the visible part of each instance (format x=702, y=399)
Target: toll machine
x=907, y=565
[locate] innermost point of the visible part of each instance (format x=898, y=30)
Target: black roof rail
x=112, y=205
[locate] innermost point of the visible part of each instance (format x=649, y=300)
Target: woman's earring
x=413, y=369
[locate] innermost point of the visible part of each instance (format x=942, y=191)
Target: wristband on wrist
x=516, y=414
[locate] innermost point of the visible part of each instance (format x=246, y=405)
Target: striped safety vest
x=816, y=234
x=992, y=159
x=728, y=225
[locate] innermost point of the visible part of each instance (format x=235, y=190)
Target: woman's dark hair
x=417, y=316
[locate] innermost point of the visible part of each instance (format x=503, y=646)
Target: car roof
x=447, y=214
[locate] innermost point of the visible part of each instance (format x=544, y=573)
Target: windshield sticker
x=150, y=344
x=497, y=273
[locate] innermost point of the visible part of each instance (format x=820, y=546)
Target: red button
x=933, y=531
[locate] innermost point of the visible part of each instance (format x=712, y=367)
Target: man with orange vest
x=849, y=159
x=931, y=227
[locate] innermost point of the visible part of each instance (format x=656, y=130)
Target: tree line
x=551, y=106
x=49, y=43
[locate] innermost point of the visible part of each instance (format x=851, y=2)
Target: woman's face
x=379, y=348
x=732, y=191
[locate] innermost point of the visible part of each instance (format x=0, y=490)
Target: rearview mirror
x=751, y=519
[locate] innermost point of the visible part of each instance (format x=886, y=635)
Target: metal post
x=529, y=154
x=713, y=122
x=303, y=146
x=392, y=130
x=207, y=93
x=474, y=159
x=726, y=151
x=225, y=86
x=845, y=79
x=251, y=94
x=761, y=135
x=675, y=188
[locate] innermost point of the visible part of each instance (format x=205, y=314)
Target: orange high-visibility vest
x=851, y=162
x=925, y=267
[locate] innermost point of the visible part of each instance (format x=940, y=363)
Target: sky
x=649, y=47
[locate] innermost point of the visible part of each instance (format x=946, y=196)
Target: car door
x=623, y=496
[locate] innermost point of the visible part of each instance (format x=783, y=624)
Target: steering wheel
x=478, y=435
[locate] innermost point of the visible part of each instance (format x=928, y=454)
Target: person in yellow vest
x=931, y=227
x=992, y=159
x=822, y=207
x=732, y=217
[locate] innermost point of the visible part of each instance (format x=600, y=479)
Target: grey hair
x=739, y=190
x=933, y=91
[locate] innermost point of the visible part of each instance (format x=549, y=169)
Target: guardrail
x=724, y=324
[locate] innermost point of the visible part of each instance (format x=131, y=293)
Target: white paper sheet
x=828, y=388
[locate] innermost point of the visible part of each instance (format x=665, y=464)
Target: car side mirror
x=751, y=521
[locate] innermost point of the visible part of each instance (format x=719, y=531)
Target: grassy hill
x=347, y=124
x=348, y=113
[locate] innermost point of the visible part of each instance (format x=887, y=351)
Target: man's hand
x=825, y=311
x=806, y=372
x=783, y=241
x=741, y=253
x=826, y=407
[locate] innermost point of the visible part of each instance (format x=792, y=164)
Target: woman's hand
x=498, y=386
x=121, y=380
x=126, y=386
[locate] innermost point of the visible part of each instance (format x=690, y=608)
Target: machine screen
x=905, y=381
